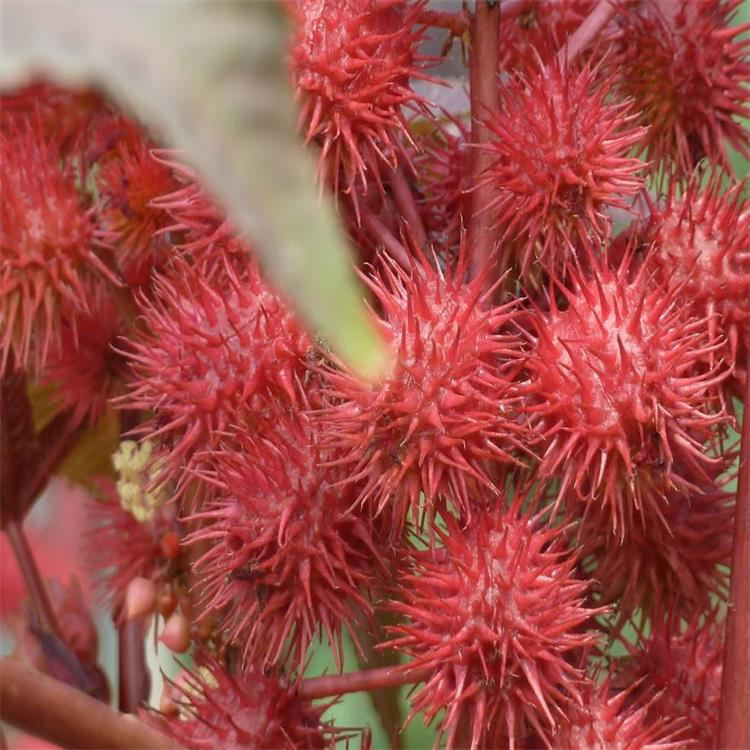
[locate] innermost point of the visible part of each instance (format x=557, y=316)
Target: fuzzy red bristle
x=47, y=243
x=683, y=65
x=446, y=419
x=494, y=614
x=216, y=345
x=286, y=557
x=560, y=150
x=624, y=403
x=251, y=710
x=352, y=61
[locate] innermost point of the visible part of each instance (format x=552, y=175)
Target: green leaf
x=211, y=78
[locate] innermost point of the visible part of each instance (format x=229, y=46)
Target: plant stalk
x=485, y=103
x=734, y=718
x=133, y=676
x=589, y=29
x=380, y=232
x=403, y=197
x=32, y=578
x=355, y=682
x=455, y=21
x=46, y=708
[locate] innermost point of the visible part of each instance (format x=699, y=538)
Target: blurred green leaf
x=210, y=76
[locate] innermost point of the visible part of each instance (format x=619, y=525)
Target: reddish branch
x=403, y=197
x=485, y=102
x=32, y=578
x=599, y=17
x=354, y=682
x=457, y=22
x=734, y=722
x=46, y=708
x=380, y=233
x=134, y=682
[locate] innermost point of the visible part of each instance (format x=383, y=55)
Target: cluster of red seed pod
x=547, y=464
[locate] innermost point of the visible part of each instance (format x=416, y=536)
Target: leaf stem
x=590, y=27
x=46, y=708
x=354, y=682
x=456, y=22
x=380, y=232
x=54, y=442
x=133, y=676
x=32, y=578
x=403, y=197
x=485, y=102
x=734, y=720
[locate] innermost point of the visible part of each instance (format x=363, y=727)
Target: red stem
x=403, y=197
x=456, y=22
x=377, y=228
x=354, y=682
x=133, y=675
x=32, y=578
x=58, y=713
x=599, y=17
x=485, y=103
x=54, y=442
x=734, y=721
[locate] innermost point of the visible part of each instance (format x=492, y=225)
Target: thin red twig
x=485, y=102
x=734, y=721
x=32, y=578
x=457, y=22
x=380, y=232
x=403, y=197
x=354, y=682
x=46, y=708
x=54, y=441
x=133, y=675
x=599, y=17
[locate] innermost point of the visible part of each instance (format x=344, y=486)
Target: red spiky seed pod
x=676, y=561
x=198, y=229
x=625, y=406
x=494, y=615
x=681, y=662
x=701, y=239
x=609, y=720
x=352, y=61
x=215, y=346
x=246, y=711
x=129, y=178
x=65, y=115
x=442, y=162
x=560, y=150
x=86, y=371
x=447, y=410
x=686, y=70
x=121, y=548
x=536, y=29
x=285, y=556
x=47, y=244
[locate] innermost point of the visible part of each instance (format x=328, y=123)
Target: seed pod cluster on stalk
x=546, y=468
